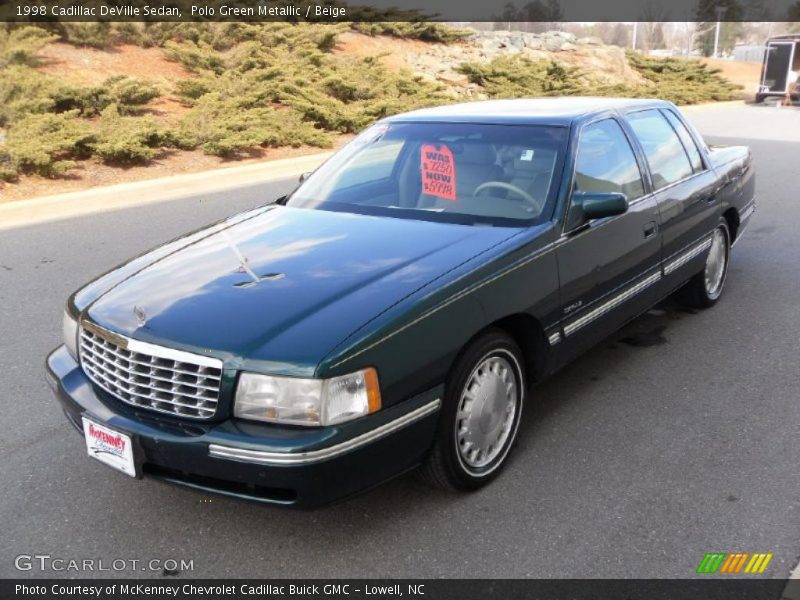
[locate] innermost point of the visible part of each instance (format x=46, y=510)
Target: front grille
x=149, y=376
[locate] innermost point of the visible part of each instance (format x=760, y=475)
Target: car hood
x=285, y=285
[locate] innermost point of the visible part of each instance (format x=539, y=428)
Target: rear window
x=453, y=172
x=665, y=154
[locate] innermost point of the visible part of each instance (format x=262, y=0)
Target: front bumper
x=291, y=466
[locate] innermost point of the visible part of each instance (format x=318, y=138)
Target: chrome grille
x=153, y=377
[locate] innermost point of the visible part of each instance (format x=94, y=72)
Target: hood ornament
x=141, y=317
x=244, y=267
x=256, y=279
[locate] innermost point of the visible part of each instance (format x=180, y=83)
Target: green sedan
x=400, y=306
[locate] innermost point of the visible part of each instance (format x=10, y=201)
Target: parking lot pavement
x=676, y=437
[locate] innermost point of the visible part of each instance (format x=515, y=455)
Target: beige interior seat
x=475, y=164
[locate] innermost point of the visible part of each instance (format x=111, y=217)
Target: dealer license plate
x=109, y=446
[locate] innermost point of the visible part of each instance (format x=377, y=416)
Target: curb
x=150, y=191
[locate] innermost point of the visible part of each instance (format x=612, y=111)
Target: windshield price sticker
x=438, y=171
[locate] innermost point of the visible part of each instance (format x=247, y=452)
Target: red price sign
x=438, y=171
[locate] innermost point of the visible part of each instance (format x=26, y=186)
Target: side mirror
x=304, y=176
x=597, y=205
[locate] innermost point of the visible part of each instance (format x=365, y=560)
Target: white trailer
x=782, y=57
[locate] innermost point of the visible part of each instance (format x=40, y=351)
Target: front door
x=608, y=267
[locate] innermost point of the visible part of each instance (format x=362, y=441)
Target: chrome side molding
x=263, y=457
x=554, y=338
x=612, y=303
x=685, y=256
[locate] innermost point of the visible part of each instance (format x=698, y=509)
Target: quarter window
x=687, y=139
x=662, y=147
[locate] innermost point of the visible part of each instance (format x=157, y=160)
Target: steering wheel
x=508, y=187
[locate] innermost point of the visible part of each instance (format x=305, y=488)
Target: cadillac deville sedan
x=398, y=308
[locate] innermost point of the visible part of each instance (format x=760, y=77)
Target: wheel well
x=732, y=217
x=528, y=333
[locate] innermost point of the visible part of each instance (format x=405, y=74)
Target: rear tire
x=705, y=288
x=481, y=410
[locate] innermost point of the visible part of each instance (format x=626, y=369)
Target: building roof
x=557, y=111
x=790, y=37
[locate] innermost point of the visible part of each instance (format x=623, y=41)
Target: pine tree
x=758, y=11
x=541, y=15
x=793, y=17
x=730, y=28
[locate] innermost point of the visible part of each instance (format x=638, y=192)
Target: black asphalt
x=679, y=436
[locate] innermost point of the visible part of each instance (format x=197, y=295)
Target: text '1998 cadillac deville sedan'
x=397, y=308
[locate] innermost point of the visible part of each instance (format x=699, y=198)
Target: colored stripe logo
x=736, y=562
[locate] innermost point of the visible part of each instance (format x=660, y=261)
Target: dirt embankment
x=741, y=73
x=90, y=66
x=439, y=62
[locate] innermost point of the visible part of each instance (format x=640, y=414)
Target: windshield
x=452, y=172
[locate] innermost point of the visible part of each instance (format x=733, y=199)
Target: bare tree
x=621, y=35
x=653, y=15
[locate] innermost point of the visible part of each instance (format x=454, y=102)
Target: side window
x=687, y=139
x=664, y=151
x=605, y=161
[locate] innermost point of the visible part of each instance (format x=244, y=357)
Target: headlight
x=297, y=401
x=69, y=327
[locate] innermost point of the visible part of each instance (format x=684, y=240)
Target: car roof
x=544, y=111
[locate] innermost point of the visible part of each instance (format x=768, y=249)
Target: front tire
x=705, y=288
x=483, y=400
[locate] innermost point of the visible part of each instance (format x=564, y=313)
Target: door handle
x=650, y=229
x=715, y=192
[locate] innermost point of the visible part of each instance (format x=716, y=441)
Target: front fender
x=415, y=351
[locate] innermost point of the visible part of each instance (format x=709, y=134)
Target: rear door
x=686, y=190
x=607, y=266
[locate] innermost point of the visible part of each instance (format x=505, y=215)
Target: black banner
x=464, y=11
x=420, y=589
